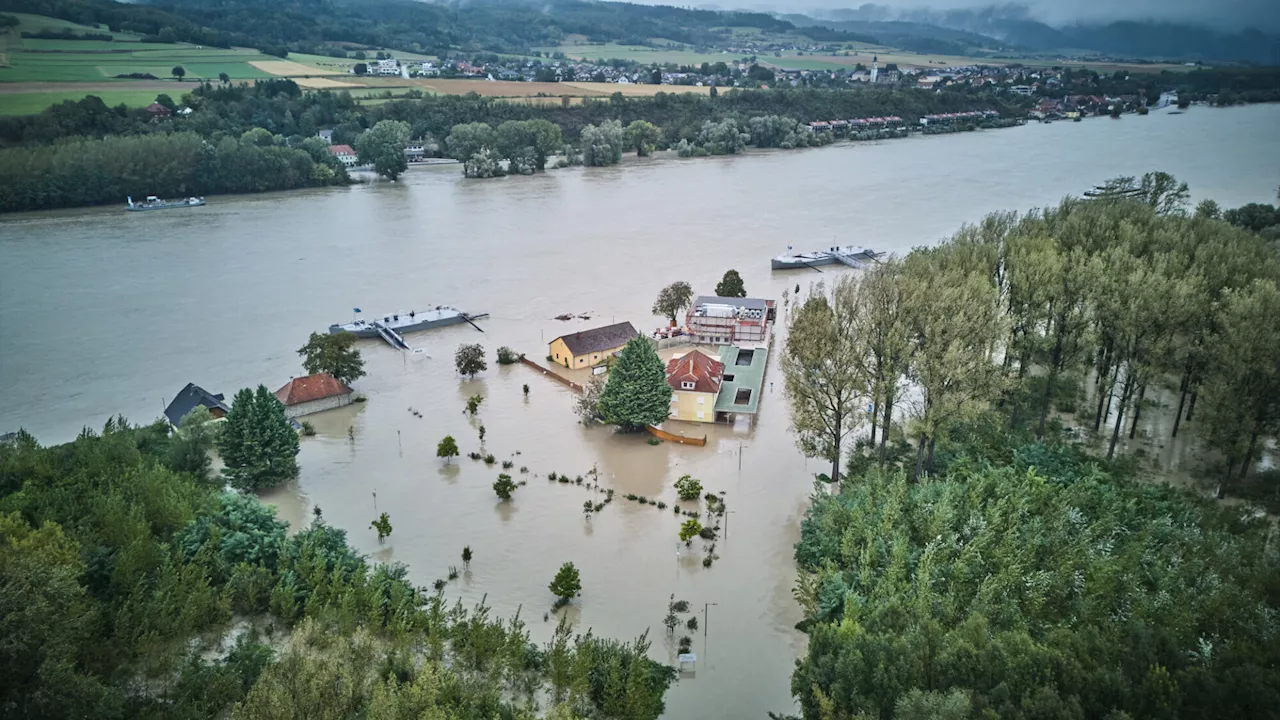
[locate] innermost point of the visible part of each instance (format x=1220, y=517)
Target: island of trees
x=998, y=553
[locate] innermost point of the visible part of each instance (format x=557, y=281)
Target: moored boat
x=406, y=322
x=154, y=203
x=851, y=255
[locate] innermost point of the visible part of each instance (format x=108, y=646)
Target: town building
x=695, y=383
x=743, y=381
x=730, y=321
x=590, y=347
x=158, y=111
x=389, y=66
x=326, y=135
x=345, y=154
x=191, y=397
x=312, y=394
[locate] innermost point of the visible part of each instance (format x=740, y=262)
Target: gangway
x=853, y=261
x=391, y=336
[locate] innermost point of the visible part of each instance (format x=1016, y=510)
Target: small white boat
x=851, y=255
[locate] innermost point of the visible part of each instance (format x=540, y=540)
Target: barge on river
x=851, y=255
x=391, y=326
x=154, y=203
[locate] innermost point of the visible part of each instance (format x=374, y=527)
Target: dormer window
x=687, y=385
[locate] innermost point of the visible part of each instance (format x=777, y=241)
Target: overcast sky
x=1235, y=14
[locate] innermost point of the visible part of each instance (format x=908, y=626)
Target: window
x=728, y=378
x=743, y=397
x=702, y=400
x=687, y=385
x=701, y=415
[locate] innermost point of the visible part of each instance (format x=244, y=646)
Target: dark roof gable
x=597, y=339
x=188, y=399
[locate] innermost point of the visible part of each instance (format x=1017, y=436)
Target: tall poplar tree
x=637, y=393
x=258, y=445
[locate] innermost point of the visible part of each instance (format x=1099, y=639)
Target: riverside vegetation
x=124, y=576
x=253, y=138
x=1000, y=568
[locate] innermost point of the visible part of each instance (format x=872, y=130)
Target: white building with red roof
x=345, y=154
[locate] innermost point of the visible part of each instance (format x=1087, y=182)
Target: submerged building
x=714, y=320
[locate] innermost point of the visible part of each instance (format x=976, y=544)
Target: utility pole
x=706, y=607
x=727, y=513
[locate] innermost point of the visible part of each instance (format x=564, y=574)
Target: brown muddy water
x=103, y=311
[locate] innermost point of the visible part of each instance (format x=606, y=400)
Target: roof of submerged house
x=309, y=388
x=189, y=398
x=704, y=372
x=597, y=339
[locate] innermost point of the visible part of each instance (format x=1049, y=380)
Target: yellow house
x=590, y=347
x=695, y=382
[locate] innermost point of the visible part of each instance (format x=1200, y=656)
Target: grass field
x=32, y=103
x=639, y=53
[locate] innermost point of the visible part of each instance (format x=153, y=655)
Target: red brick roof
x=704, y=372
x=341, y=150
x=312, y=387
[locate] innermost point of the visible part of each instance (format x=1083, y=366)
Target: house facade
x=345, y=154
x=695, y=381
x=716, y=320
x=590, y=347
x=313, y=394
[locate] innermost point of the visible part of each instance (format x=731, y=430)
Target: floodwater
x=103, y=311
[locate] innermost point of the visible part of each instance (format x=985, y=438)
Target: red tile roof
x=312, y=387
x=341, y=150
x=704, y=372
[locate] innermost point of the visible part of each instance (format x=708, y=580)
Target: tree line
x=1128, y=293
x=122, y=570
x=977, y=559
x=95, y=172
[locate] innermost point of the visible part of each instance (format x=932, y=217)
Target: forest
x=132, y=586
x=1003, y=551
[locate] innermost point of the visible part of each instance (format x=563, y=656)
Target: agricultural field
x=30, y=103
x=633, y=90
x=639, y=53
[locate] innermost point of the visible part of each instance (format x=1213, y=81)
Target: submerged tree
x=503, y=487
x=637, y=393
x=567, y=584
x=257, y=443
x=469, y=360
x=587, y=404
x=334, y=354
x=823, y=372
x=672, y=299
x=731, y=285
x=383, y=526
x=447, y=449
x=642, y=136
x=382, y=146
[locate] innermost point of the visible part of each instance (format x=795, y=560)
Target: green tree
x=643, y=136
x=334, y=354
x=688, y=488
x=361, y=68
x=637, y=393
x=587, y=404
x=257, y=443
x=603, y=144
x=473, y=404
x=503, y=487
x=383, y=147
x=196, y=437
x=466, y=556
x=179, y=72
x=567, y=584
x=467, y=139
x=823, y=372
x=383, y=526
x=731, y=285
x=538, y=137
x=469, y=360
x=447, y=449
x=166, y=101
x=672, y=299
x=224, y=78
x=690, y=530
x=883, y=341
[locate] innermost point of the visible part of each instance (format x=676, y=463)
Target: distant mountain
x=1013, y=26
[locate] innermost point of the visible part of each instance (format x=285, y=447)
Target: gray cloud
x=1223, y=14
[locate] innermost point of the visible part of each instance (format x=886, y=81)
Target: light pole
x=706, y=607
x=727, y=513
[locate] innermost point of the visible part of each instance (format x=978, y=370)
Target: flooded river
x=103, y=311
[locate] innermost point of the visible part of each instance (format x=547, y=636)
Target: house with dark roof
x=695, y=381
x=586, y=348
x=313, y=394
x=191, y=397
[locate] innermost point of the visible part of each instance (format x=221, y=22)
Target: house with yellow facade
x=695, y=381
x=586, y=348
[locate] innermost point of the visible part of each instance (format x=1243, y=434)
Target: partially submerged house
x=191, y=397
x=730, y=321
x=313, y=394
x=695, y=382
x=743, y=380
x=586, y=348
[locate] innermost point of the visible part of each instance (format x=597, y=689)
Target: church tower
x=875, y=68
